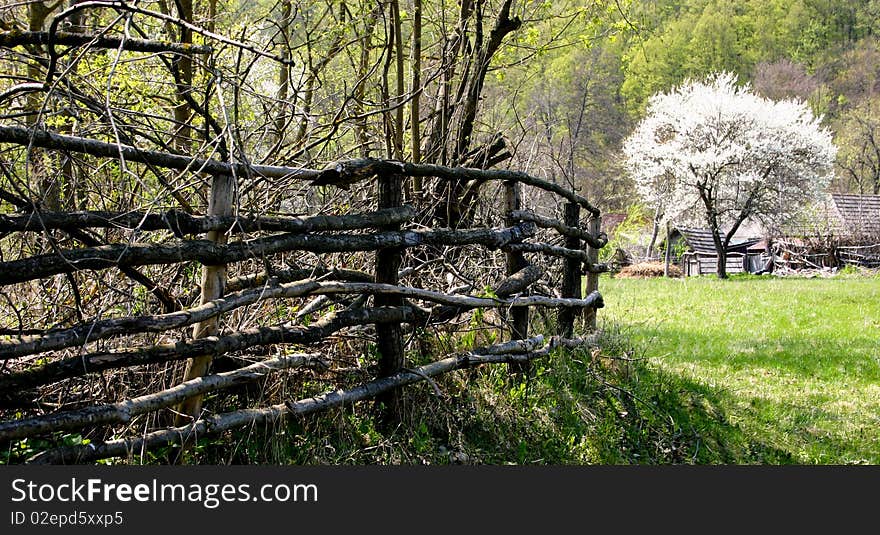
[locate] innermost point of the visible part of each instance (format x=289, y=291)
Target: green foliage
x=628, y=231
x=848, y=270
x=19, y=451
x=688, y=39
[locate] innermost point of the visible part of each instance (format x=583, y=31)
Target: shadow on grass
x=578, y=408
x=808, y=396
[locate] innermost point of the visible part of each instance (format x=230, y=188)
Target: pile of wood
x=646, y=270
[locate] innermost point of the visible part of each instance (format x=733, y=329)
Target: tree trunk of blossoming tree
x=721, y=270
x=721, y=251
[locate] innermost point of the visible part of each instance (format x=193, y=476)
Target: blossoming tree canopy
x=713, y=153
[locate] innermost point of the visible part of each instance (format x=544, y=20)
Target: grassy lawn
x=791, y=367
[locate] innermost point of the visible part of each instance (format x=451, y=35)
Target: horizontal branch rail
x=102, y=329
x=123, y=411
x=337, y=398
x=468, y=301
x=466, y=173
x=181, y=223
x=574, y=232
x=13, y=39
x=351, y=171
x=210, y=346
x=211, y=253
x=343, y=173
x=547, y=249
x=50, y=140
x=264, y=278
x=562, y=252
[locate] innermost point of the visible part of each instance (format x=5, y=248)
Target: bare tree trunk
x=385, y=86
x=415, y=108
x=184, y=67
x=504, y=24
x=48, y=183
x=211, y=23
x=721, y=254
x=71, y=191
x=283, y=74
x=655, y=230
x=399, y=82
x=360, y=91
x=721, y=270
x=308, y=95
x=708, y=196
x=462, y=104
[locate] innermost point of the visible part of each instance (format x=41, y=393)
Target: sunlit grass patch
x=796, y=361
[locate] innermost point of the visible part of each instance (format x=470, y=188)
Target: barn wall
x=694, y=264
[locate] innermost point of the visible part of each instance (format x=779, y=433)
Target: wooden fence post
x=571, y=275
x=213, y=286
x=515, y=261
x=595, y=226
x=389, y=335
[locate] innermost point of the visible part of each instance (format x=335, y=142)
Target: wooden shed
x=856, y=216
x=856, y=219
x=696, y=254
x=842, y=229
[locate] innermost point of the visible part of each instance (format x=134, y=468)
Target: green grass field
x=788, y=369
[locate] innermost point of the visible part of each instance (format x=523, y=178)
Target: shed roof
x=857, y=215
x=700, y=240
x=850, y=216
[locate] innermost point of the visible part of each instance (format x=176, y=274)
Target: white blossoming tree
x=713, y=153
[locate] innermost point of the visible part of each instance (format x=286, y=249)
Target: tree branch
x=575, y=232
x=210, y=253
x=12, y=39
x=181, y=223
x=344, y=173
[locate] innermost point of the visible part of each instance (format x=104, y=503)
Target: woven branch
x=181, y=223
x=211, y=253
x=123, y=411
x=102, y=329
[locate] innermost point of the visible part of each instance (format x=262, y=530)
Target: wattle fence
x=301, y=282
